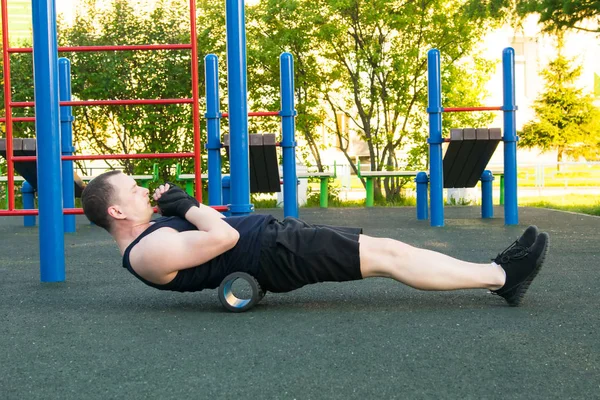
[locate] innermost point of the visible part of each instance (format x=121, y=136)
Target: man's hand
x=173, y=201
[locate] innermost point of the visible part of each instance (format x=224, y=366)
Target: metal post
x=28, y=196
x=213, y=128
x=10, y=168
x=66, y=133
x=195, y=102
x=288, y=128
x=47, y=126
x=487, y=204
x=511, y=212
x=422, y=182
x=436, y=174
x=370, y=192
x=226, y=184
x=502, y=189
x=324, y=193
x=238, y=108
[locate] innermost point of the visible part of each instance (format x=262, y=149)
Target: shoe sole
x=514, y=299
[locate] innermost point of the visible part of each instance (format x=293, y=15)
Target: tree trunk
x=559, y=158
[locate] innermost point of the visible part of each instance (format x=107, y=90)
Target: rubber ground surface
x=104, y=335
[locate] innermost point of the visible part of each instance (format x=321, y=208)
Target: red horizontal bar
x=112, y=157
x=71, y=211
x=108, y=102
x=17, y=213
x=257, y=114
x=19, y=119
x=466, y=109
x=72, y=49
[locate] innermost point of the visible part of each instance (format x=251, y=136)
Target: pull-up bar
x=435, y=111
x=82, y=49
x=470, y=109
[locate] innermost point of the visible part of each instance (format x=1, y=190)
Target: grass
x=585, y=204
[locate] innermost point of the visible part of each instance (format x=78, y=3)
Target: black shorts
x=295, y=253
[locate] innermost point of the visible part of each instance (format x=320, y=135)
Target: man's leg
x=424, y=269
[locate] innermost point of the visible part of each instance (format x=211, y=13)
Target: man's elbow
x=233, y=236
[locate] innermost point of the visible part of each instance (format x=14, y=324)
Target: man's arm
x=161, y=254
x=164, y=252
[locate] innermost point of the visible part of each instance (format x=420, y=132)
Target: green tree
x=555, y=15
x=566, y=119
x=133, y=75
x=274, y=27
x=376, y=73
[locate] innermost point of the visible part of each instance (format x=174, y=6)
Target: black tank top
x=242, y=257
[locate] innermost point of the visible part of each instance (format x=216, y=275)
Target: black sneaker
x=520, y=245
x=521, y=265
x=528, y=237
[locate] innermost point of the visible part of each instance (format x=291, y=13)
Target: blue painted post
x=47, y=126
x=28, y=195
x=226, y=187
x=511, y=211
x=288, y=128
x=238, y=108
x=487, y=204
x=66, y=133
x=422, y=207
x=436, y=173
x=213, y=128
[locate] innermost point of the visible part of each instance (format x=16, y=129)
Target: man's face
x=131, y=201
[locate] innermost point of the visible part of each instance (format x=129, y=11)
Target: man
x=193, y=247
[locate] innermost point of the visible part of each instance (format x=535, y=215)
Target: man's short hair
x=97, y=197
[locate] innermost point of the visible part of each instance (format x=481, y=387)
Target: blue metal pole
x=487, y=205
x=226, y=184
x=28, y=203
x=66, y=133
x=47, y=126
x=213, y=127
x=288, y=128
x=422, y=182
x=511, y=211
x=436, y=173
x=238, y=108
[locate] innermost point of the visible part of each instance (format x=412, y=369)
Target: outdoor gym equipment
x=231, y=301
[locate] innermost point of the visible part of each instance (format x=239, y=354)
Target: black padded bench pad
x=467, y=155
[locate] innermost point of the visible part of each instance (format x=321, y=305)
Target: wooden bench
x=324, y=184
x=468, y=153
x=371, y=175
x=499, y=173
x=324, y=177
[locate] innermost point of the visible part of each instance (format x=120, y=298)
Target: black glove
x=176, y=202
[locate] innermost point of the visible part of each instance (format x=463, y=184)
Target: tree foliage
x=132, y=75
x=555, y=15
x=366, y=60
x=566, y=119
x=275, y=27
x=378, y=52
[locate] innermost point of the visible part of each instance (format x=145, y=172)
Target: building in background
x=19, y=21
